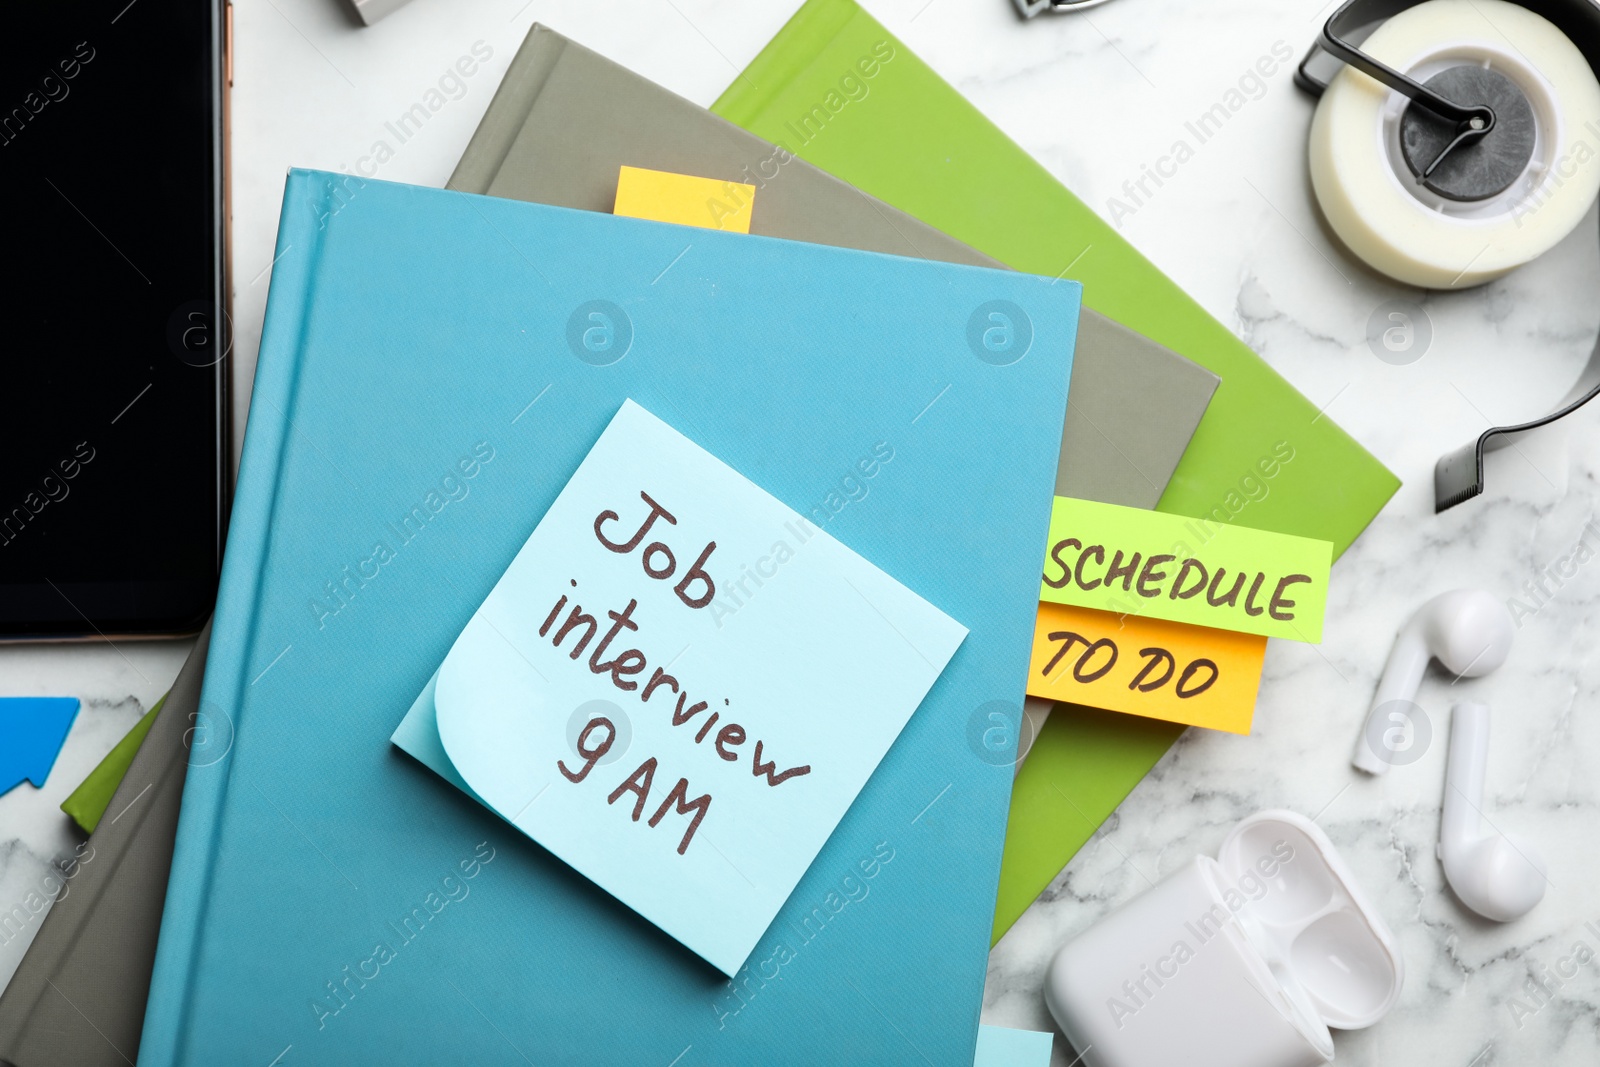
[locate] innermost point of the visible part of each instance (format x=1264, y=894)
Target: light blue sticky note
x=680, y=685
x=999, y=1046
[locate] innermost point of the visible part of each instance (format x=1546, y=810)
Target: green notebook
x=835, y=88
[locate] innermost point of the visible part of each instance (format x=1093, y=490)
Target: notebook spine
x=803, y=38
x=508, y=111
x=310, y=202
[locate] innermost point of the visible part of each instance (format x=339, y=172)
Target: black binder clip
x=1029, y=8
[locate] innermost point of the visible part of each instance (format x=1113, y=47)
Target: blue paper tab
x=1000, y=1046
x=32, y=731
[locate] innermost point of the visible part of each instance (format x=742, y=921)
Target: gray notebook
x=78, y=997
x=565, y=119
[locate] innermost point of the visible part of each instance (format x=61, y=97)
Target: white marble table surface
x=1096, y=98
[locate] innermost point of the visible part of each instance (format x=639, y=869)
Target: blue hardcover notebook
x=424, y=392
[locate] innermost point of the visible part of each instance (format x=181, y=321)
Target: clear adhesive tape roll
x=1400, y=228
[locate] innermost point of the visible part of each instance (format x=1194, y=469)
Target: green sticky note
x=1134, y=562
x=88, y=802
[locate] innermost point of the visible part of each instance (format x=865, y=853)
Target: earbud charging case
x=1245, y=960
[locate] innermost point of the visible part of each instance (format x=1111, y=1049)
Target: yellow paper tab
x=1146, y=563
x=1150, y=667
x=662, y=196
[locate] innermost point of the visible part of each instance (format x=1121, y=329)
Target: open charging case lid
x=1324, y=943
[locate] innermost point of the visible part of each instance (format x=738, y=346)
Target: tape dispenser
x=1454, y=141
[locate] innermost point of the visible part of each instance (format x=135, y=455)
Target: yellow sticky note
x=1154, y=565
x=661, y=196
x=1145, y=666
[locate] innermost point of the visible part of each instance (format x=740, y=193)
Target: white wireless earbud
x=1467, y=630
x=1497, y=876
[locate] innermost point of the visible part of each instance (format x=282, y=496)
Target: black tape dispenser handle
x=1472, y=121
x=1458, y=475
